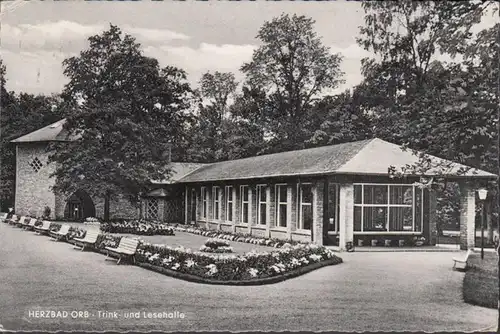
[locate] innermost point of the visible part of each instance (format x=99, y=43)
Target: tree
x=293, y=67
x=344, y=120
x=208, y=135
x=127, y=112
x=20, y=114
x=217, y=88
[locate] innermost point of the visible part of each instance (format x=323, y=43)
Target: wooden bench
x=31, y=225
x=89, y=240
x=21, y=221
x=461, y=262
x=61, y=234
x=44, y=229
x=12, y=220
x=126, y=249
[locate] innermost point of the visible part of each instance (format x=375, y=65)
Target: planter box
x=374, y=243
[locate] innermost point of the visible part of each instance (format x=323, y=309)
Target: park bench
x=12, y=219
x=461, y=262
x=3, y=216
x=20, y=222
x=44, y=229
x=25, y=223
x=31, y=225
x=61, y=234
x=126, y=249
x=89, y=240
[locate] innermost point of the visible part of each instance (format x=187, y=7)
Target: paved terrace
x=369, y=292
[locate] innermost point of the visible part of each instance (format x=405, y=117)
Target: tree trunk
x=107, y=198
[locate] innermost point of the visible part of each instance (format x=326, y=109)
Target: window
x=229, y=203
x=333, y=206
x=306, y=208
x=216, y=203
x=193, y=205
x=387, y=208
x=262, y=204
x=204, y=200
x=245, y=204
x=36, y=164
x=281, y=205
x=152, y=208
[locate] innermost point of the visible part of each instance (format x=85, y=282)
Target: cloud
x=202, y=58
x=353, y=51
x=154, y=35
x=72, y=36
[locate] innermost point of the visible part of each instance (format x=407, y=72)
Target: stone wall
x=33, y=184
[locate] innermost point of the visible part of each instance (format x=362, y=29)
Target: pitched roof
x=366, y=157
x=52, y=132
x=179, y=170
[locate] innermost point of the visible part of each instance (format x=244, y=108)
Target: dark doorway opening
x=79, y=206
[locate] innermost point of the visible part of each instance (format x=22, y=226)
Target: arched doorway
x=79, y=206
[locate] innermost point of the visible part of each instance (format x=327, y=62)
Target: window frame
x=242, y=202
x=228, y=189
x=204, y=203
x=388, y=206
x=216, y=203
x=301, y=204
x=278, y=204
x=259, y=189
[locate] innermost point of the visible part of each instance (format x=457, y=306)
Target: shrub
x=140, y=227
x=46, y=212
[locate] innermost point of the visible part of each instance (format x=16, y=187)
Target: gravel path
x=369, y=292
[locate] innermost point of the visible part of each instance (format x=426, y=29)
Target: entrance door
x=331, y=214
x=79, y=206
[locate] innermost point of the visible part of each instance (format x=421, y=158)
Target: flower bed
x=91, y=221
x=239, y=237
x=251, y=267
x=216, y=246
x=139, y=227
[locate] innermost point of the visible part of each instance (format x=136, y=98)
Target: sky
x=196, y=36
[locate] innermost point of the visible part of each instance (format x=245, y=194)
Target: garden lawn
x=193, y=241
x=481, y=281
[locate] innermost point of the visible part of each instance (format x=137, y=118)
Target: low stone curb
x=257, y=281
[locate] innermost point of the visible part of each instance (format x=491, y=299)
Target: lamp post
x=482, y=193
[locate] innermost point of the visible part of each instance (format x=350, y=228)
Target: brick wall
x=346, y=217
x=467, y=216
x=432, y=235
x=318, y=191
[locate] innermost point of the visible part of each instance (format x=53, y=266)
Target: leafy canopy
x=126, y=113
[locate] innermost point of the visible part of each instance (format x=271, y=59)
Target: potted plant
x=360, y=242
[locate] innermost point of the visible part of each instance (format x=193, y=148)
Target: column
x=250, y=204
x=346, y=216
x=268, y=211
x=467, y=216
x=432, y=233
x=318, y=192
x=186, y=205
